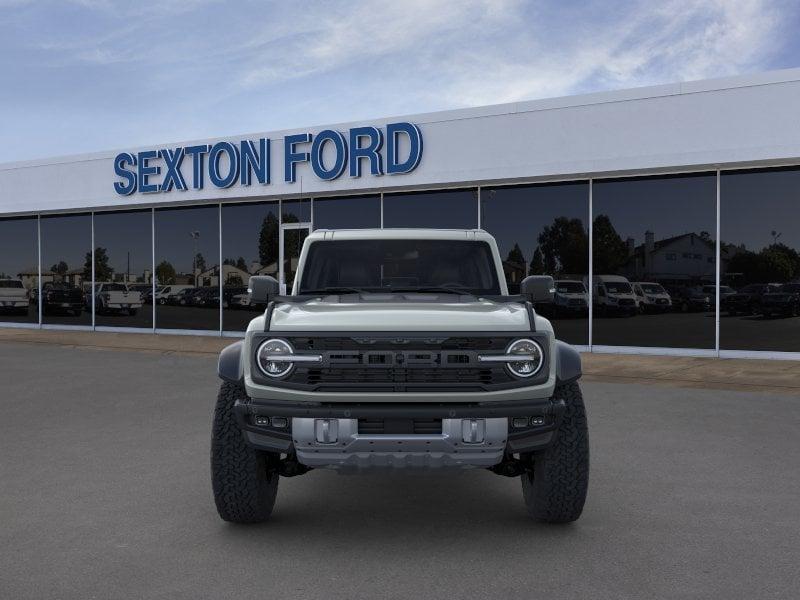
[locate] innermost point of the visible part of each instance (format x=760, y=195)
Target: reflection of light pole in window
x=195, y=235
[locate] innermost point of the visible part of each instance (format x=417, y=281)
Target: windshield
x=652, y=288
x=726, y=289
x=400, y=265
x=114, y=287
x=570, y=287
x=790, y=288
x=10, y=283
x=616, y=287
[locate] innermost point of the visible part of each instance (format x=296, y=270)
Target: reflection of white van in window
x=613, y=294
x=570, y=297
x=13, y=296
x=651, y=297
x=170, y=290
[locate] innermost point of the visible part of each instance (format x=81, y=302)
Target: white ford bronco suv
x=399, y=348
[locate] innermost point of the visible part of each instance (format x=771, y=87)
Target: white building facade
x=571, y=187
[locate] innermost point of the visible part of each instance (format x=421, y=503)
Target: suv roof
x=401, y=234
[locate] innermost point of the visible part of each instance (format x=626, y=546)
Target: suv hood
x=400, y=312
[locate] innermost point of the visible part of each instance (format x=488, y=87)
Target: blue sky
x=87, y=75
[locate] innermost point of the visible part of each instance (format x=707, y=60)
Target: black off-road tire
x=244, y=480
x=555, y=487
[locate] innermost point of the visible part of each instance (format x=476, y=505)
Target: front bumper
x=449, y=448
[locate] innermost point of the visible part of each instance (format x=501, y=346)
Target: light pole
x=195, y=235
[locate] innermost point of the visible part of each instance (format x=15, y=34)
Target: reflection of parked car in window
x=651, y=297
x=13, y=296
x=182, y=297
x=692, y=299
x=240, y=301
x=145, y=290
x=163, y=294
x=747, y=300
x=229, y=292
x=570, y=298
x=613, y=295
x=207, y=297
x=725, y=291
x=61, y=297
x=114, y=298
x=783, y=302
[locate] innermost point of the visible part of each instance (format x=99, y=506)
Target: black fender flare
x=568, y=363
x=229, y=367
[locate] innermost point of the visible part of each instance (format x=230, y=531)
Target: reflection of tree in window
x=102, y=270
x=165, y=273
x=774, y=263
x=268, y=241
x=609, y=251
x=564, y=247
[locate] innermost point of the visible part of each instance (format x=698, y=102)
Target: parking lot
x=106, y=494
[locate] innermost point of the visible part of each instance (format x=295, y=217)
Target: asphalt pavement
x=105, y=493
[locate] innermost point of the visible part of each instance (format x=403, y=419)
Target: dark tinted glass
x=19, y=270
x=187, y=257
x=293, y=211
x=401, y=265
x=358, y=212
x=655, y=231
x=123, y=267
x=760, y=230
x=452, y=209
x=296, y=211
x=249, y=247
x=66, y=269
x=543, y=229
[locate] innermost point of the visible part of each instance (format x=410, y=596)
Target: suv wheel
x=555, y=487
x=244, y=480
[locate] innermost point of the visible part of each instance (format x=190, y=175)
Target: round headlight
x=525, y=368
x=272, y=367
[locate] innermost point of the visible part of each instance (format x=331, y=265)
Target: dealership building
x=669, y=216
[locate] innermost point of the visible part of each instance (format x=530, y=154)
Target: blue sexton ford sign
x=330, y=153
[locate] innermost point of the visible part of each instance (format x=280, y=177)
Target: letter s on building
x=128, y=186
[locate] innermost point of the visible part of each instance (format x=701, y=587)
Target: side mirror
x=539, y=289
x=262, y=288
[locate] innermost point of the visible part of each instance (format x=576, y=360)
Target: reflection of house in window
x=672, y=260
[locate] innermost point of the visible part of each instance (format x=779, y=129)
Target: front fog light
x=530, y=359
x=267, y=354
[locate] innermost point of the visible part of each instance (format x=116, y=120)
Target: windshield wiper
x=461, y=291
x=333, y=290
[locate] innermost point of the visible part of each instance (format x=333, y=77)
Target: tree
x=60, y=268
x=515, y=255
x=537, y=263
x=165, y=273
x=610, y=252
x=241, y=264
x=565, y=247
x=268, y=240
x=200, y=262
x=102, y=270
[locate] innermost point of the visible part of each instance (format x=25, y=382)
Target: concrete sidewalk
x=776, y=376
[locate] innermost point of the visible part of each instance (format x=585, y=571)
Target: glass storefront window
x=19, y=270
x=249, y=247
x=654, y=261
x=543, y=229
x=760, y=260
x=187, y=268
x=355, y=212
x=123, y=267
x=446, y=209
x=66, y=269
